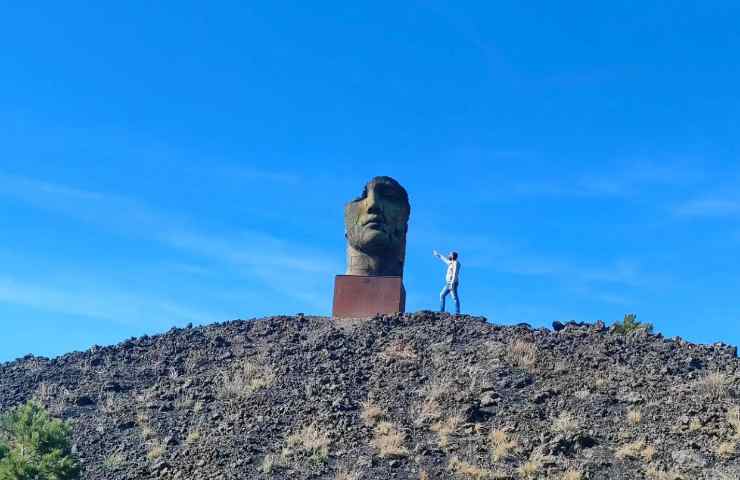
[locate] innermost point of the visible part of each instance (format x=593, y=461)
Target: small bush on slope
x=631, y=324
x=35, y=446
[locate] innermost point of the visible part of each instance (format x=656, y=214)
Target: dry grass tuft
x=501, y=445
x=714, y=385
x=733, y=418
x=311, y=442
x=532, y=467
x=695, y=425
x=636, y=450
x=246, y=380
x=143, y=421
x=725, y=474
x=399, y=350
x=344, y=473
x=565, y=423
x=371, y=413
x=634, y=417
x=726, y=449
x=467, y=470
x=522, y=354
x=445, y=428
x=426, y=411
x=155, y=451
x=268, y=464
x=423, y=475
x=655, y=473
x=572, y=475
x=193, y=437
x=389, y=441
x=439, y=389
x=630, y=450
x=648, y=453
x=113, y=461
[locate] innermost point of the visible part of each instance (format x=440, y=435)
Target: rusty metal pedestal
x=365, y=296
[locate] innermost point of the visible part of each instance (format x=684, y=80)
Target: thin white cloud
x=709, y=207
x=254, y=174
x=114, y=306
x=284, y=266
x=505, y=256
x=629, y=181
x=253, y=249
x=112, y=211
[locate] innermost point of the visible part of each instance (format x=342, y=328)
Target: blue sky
x=172, y=162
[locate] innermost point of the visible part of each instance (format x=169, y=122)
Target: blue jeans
x=450, y=288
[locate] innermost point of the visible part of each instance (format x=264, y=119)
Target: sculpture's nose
x=373, y=206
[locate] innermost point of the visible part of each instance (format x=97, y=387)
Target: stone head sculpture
x=375, y=227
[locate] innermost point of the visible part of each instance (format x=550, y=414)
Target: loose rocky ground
x=419, y=396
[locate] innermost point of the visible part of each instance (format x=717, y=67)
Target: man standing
x=453, y=275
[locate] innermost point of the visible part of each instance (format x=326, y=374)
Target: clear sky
x=172, y=162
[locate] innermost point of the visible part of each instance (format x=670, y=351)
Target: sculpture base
x=365, y=296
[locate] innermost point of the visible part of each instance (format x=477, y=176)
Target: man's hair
x=453, y=255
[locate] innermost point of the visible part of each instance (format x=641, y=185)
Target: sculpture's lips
x=374, y=222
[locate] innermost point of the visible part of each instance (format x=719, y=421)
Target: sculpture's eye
x=388, y=192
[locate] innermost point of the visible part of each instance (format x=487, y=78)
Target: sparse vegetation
x=572, y=475
x=636, y=450
x=269, y=462
x=389, y=441
x=565, y=423
x=247, y=379
x=155, y=451
x=532, y=467
x=428, y=410
x=184, y=402
x=727, y=449
x=439, y=389
x=399, y=350
x=113, y=461
x=35, y=446
x=522, y=354
x=733, y=418
x=142, y=420
x=310, y=442
x=584, y=403
x=192, y=437
x=648, y=453
x=370, y=413
x=713, y=385
x=501, y=445
x=445, y=428
x=345, y=473
x=656, y=473
x=467, y=470
x=631, y=324
x=695, y=425
x=634, y=416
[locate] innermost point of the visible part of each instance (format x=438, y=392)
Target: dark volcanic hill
x=419, y=396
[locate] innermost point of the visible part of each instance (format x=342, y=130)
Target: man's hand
x=435, y=253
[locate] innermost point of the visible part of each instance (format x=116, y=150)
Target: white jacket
x=453, y=269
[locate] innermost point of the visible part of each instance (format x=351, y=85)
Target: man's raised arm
x=444, y=259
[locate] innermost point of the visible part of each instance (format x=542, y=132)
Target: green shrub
x=631, y=324
x=34, y=446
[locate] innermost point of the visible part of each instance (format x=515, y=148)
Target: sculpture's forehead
x=383, y=187
x=384, y=184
